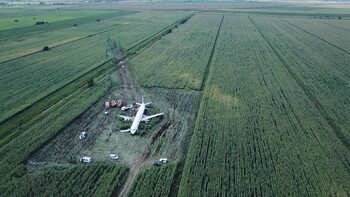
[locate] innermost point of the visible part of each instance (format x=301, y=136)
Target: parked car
x=163, y=160
x=86, y=159
x=82, y=135
x=113, y=156
x=157, y=164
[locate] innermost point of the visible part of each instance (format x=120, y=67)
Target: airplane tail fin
x=143, y=102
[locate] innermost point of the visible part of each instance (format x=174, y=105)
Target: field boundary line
x=166, y=88
x=344, y=50
x=333, y=25
x=78, y=39
x=175, y=185
x=331, y=122
x=206, y=73
x=53, y=92
x=160, y=31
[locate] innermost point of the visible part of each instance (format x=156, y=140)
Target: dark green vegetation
x=274, y=135
x=90, y=180
x=154, y=181
x=273, y=94
x=177, y=60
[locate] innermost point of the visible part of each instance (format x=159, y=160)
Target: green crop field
x=101, y=179
x=50, y=16
x=84, y=55
x=255, y=99
x=153, y=182
x=33, y=43
x=179, y=60
x=259, y=133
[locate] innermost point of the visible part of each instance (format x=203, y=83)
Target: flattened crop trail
x=307, y=92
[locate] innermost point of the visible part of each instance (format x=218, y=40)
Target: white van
x=113, y=156
x=163, y=160
x=86, y=159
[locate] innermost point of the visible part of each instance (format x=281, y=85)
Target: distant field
x=32, y=16
x=34, y=43
x=73, y=19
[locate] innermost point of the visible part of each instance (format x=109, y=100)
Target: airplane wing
x=126, y=118
x=126, y=130
x=146, y=118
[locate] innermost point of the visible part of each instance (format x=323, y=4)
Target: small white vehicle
x=163, y=160
x=86, y=159
x=113, y=156
x=82, y=135
x=124, y=108
x=106, y=112
x=127, y=107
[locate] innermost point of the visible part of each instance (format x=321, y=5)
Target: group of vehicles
x=137, y=119
x=160, y=162
x=87, y=159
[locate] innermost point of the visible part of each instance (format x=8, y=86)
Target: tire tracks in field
x=175, y=185
x=344, y=50
x=330, y=121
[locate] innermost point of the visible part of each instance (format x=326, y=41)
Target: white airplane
x=138, y=118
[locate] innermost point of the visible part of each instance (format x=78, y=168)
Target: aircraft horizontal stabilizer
x=146, y=118
x=126, y=118
x=124, y=131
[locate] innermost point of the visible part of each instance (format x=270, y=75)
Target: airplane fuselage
x=137, y=119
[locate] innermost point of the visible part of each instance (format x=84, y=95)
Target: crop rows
x=50, y=16
x=342, y=24
x=46, y=125
x=30, y=78
x=322, y=69
x=91, y=180
x=336, y=36
x=85, y=18
x=179, y=60
x=33, y=43
x=153, y=182
x=257, y=133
